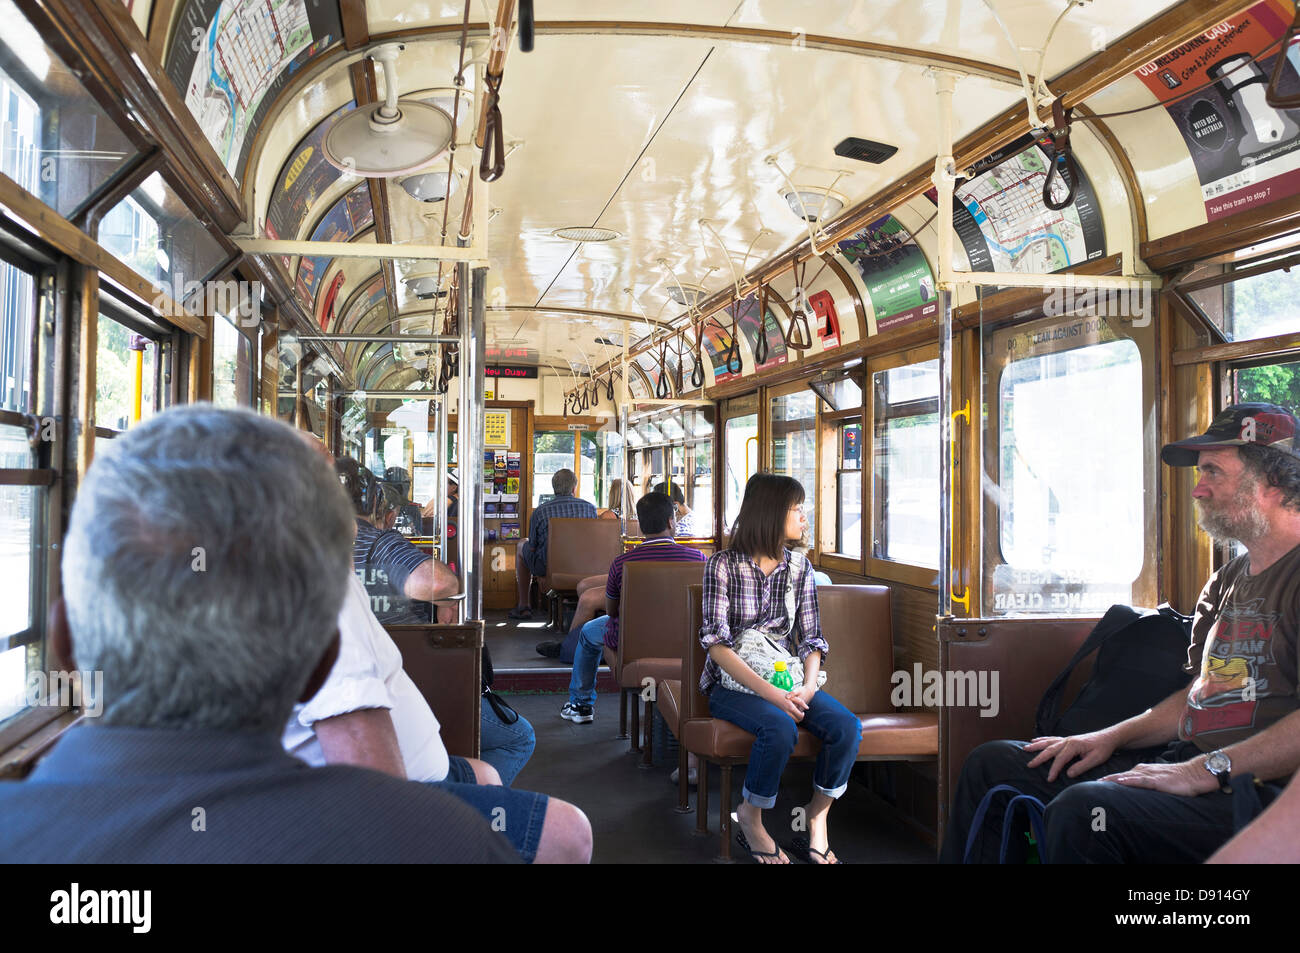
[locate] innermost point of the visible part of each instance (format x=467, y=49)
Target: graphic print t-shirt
x=1244, y=647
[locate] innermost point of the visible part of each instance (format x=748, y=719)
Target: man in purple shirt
x=658, y=522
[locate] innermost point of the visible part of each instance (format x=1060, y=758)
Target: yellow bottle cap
x=779, y=666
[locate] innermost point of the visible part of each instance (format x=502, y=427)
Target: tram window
x=1258, y=304
x=552, y=452
x=905, y=455
x=120, y=355
x=848, y=489
x=153, y=232
x=740, y=455
x=1274, y=383
x=590, y=485
x=1070, y=482
x=232, y=365
x=17, y=312
x=794, y=445
x=59, y=144
x=20, y=508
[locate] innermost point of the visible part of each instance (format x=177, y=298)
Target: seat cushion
x=635, y=673
x=898, y=734
x=668, y=701
x=716, y=738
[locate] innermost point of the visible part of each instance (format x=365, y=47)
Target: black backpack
x=1140, y=662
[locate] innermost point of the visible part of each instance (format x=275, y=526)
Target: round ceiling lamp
x=430, y=186
x=813, y=206
x=380, y=140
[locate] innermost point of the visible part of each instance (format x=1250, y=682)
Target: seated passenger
x=760, y=584
x=617, y=502
x=1163, y=777
x=209, y=603
x=685, y=518
x=397, y=575
x=530, y=559
x=409, y=519
x=655, y=511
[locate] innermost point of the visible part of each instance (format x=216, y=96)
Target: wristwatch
x=1220, y=765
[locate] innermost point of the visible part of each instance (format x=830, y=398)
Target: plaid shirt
x=737, y=596
x=563, y=507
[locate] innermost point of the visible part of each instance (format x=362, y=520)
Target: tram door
x=739, y=428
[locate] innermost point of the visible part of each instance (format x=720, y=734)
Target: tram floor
x=632, y=808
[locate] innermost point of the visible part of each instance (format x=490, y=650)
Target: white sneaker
x=578, y=714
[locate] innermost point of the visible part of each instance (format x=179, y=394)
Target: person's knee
x=484, y=773
x=566, y=835
x=1075, y=822
x=780, y=732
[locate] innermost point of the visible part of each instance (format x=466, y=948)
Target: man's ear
x=60, y=638
x=321, y=671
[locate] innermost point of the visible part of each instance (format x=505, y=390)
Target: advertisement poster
x=718, y=339
x=373, y=295
x=1001, y=220
x=1246, y=152
x=304, y=178
x=349, y=215
x=895, y=272
x=229, y=58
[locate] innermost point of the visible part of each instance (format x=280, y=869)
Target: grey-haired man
x=203, y=569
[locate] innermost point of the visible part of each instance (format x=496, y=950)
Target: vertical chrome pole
x=473, y=335
x=469, y=459
x=440, y=449
x=944, y=179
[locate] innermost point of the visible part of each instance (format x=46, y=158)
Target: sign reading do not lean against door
x=496, y=428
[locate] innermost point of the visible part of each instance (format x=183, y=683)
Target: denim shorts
x=460, y=771
x=518, y=815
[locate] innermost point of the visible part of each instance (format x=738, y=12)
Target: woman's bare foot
x=819, y=836
x=750, y=819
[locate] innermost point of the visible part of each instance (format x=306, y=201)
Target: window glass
x=552, y=452
x=1071, y=520
x=58, y=143
x=847, y=394
x=848, y=479
x=1253, y=307
x=232, y=367
x=590, y=485
x=153, y=232
x=740, y=457
x=20, y=527
x=17, y=317
x=125, y=369
x=905, y=451
x=701, y=489
x=794, y=444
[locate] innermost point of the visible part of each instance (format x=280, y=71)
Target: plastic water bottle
x=781, y=678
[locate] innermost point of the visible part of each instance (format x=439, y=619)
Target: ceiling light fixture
x=424, y=287
x=585, y=233
x=430, y=186
x=813, y=206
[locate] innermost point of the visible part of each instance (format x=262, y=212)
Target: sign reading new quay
x=507, y=370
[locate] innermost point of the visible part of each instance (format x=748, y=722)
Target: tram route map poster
x=717, y=340
x=1001, y=220
x=895, y=272
x=306, y=176
x=1246, y=152
x=229, y=58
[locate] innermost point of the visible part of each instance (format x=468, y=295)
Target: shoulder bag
x=761, y=650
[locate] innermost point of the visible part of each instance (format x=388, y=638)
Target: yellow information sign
x=496, y=428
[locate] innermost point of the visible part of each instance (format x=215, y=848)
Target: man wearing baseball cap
x=1240, y=715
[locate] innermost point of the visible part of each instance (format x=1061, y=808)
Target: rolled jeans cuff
x=758, y=800
x=832, y=793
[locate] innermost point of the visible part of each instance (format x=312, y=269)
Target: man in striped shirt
x=531, y=557
x=658, y=522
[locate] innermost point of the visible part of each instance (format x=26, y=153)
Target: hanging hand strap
x=492, y=164
x=1063, y=164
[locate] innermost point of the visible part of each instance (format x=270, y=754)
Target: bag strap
x=977, y=821
x=1117, y=617
x=1034, y=808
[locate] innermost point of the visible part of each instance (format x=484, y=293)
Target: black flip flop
x=521, y=613
x=757, y=854
x=801, y=848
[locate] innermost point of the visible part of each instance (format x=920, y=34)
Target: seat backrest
x=646, y=626
x=694, y=704
x=582, y=547
x=857, y=626
x=446, y=664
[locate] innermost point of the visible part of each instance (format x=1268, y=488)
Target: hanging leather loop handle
x=697, y=368
x=733, y=361
x=1271, y=95
x=661, y=389
x=761, y=348
x=798, y=336
x=526, y=26
x=677, y=376
x=1063, y=164
x=609, y=389
x=492, y=164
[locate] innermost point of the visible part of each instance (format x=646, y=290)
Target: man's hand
x=1091, y=749
x=1187, y=779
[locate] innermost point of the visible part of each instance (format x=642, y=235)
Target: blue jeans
x=506, y=747
x=775, y=734
x=586, y=659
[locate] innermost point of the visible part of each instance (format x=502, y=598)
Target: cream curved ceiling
x=646, y=118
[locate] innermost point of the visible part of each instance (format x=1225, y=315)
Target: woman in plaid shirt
x=754, y=585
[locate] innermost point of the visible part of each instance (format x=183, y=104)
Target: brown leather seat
x=650, y=636
x=857, y=624
x=576, y=549
x=446, y=664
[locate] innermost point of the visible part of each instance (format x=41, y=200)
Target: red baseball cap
x=1267, y=425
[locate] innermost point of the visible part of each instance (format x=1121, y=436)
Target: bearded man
x=1240, y=715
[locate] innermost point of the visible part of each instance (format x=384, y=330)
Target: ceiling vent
x=864, y=150
x=583, y=233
